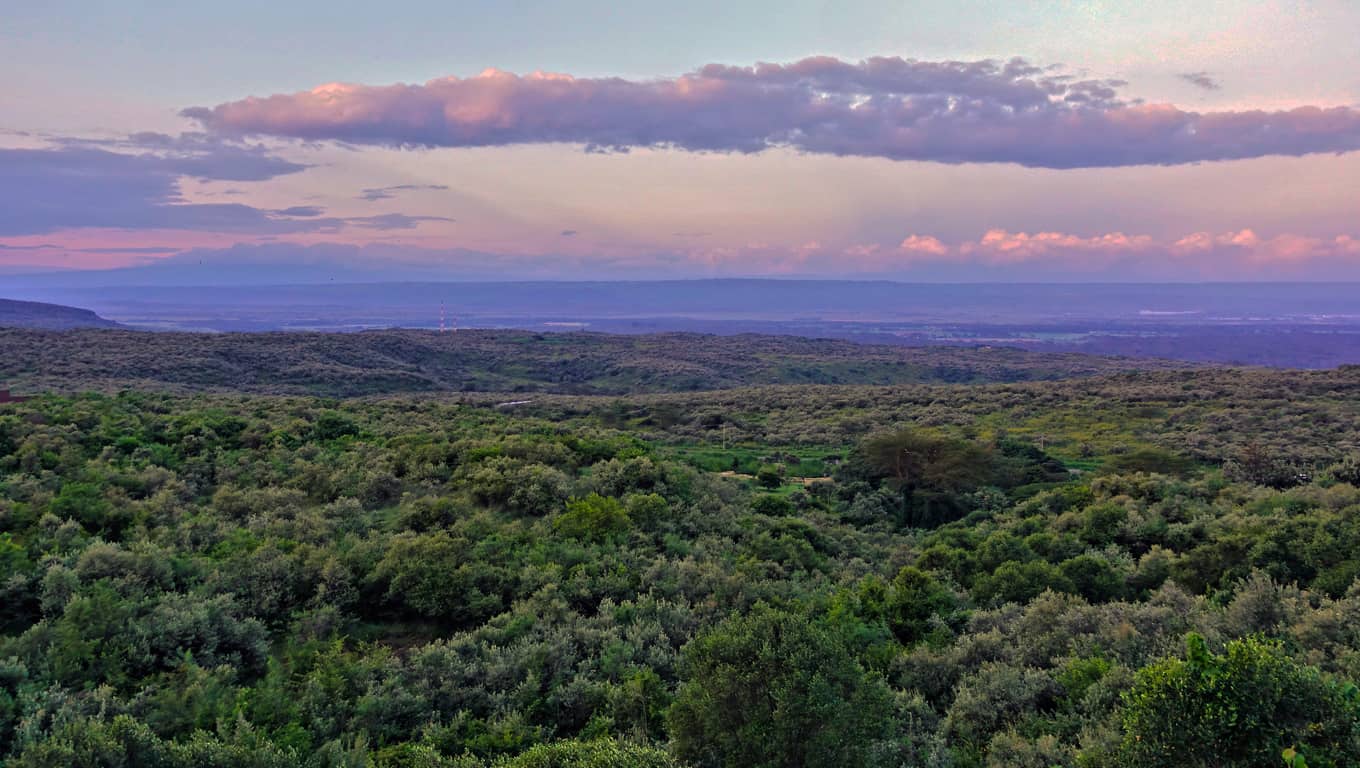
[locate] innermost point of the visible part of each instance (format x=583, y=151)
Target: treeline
x=416, y=582
x=403, y=361
x=1301, y=421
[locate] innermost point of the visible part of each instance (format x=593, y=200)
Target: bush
x=772, y=505
x=1240, y=709
x=432, y=576
x=594, y=518
x=914, y=600
x=605, y=753
x=774, y=689
x=769, y=477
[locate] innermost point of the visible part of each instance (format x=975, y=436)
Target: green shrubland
x=1145, y=570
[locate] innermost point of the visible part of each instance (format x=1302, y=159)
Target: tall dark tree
x=932, y=471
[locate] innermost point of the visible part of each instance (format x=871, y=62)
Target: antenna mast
x=441, y=315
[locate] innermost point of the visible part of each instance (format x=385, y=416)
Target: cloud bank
x=1242, y=247
x=901, y=109
x=995, y=255
x=74, y=185
x=999, y=253
x=134, y=183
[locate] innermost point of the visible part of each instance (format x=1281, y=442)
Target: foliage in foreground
x=1242, y=708
x=282, y=581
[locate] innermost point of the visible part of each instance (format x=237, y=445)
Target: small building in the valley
x=6, y=397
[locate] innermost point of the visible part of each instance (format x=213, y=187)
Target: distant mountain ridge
x=51, y=317
x=1291, y=325
x=408, y=304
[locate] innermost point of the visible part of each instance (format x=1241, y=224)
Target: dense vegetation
x=389, y=362
x=1150, y=569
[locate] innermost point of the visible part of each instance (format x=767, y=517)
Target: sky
x=935, y=140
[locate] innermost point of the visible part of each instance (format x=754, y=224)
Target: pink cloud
x=997, y=253
x=1285, y=247
x=924, y=245
x=1241, y=247
x=1002, y=247
x=902, y=109
x=1201, y=255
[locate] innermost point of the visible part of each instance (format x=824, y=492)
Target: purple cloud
x=374, y=194
x=149, y=250
x=1202, y=80
x=196, y=155
x=902, y=109
x=301, y=211
x=79, y=183
x=392, y=221
x=44, y=190
x=134, y=183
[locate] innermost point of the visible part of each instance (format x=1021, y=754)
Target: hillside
x=397, y=361
x=32, y=314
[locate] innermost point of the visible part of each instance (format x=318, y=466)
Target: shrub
x=594, y=518
x=773, y=689
x=1240, y=709
x=605, y=753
